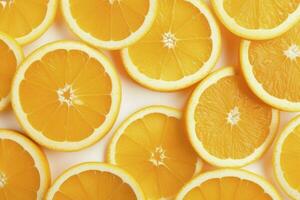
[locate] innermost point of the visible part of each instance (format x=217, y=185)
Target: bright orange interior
x=276, y=64
x=290, y=159
x=252, y=14
x=155, y=150
x=230, y=121
x=227, y=188
x=94, y=185
x=178, y=44
x=8, y=65
x=109, y=19
x=19, y=178
x=66, y=95
x=19, y=17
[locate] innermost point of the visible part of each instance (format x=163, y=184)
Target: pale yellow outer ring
x=111, y=45
x=38, y=156
x=254, y=34
x=191, y=125
x=166, y=86
x=101, y=167
x=110, y=117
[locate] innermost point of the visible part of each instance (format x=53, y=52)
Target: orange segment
x=26, y=20
x=110, y=23
x=227, y=124
x=273, y=69
x=183, y=43
x=151, y=145
x=287, y=159
x=26, y=177
x=94, y=181
x=228, y=184
x=10, y=55
x=75, y=94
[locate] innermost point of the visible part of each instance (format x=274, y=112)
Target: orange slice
x=24, y=170
x=26, y=20
x=10, y=57
x=180, y=49
x=227, y=125
x=66, y=95
x=258, y=20
x=152, y=146
x=228, y=184
x=286, y=160
x=95, y=181
x=271, y=69
x=110, y=24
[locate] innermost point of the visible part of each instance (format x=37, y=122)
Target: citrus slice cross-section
x=271, y=69
x=227, y=124
x=66, y=95
x=11, y=56
x=152, y=146
x=180, y=49
x=95, y=181
x=26, y=20
x=286, y=160
x=257, y=20
x=110, y=24
x=228, y=184
x=24, y=170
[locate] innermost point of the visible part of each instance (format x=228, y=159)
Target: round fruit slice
x=11, y=56
x=111, y=24
x=152, y=146
x=227, y=125
x=94, y=181
x=257, y=20
x=180, y=49
x=228, y=184
x=26, y=20
x=24, y=170
x=287, y=159
x=271, y=69
x=66, y=95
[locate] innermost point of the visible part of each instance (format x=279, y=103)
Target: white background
x=135, y=97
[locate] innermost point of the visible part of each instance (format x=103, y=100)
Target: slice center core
x=3, y=180
x=158, y=156
x=293, y=52
x=169, y=40
x=5, y=3
x=66, y=95
x=113, y=1
x=233, y=117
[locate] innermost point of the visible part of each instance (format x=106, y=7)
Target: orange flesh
x=227, y=188
x=221, y=138
x=94, y=185
x=290, y=159
x=21, y=177
x=19, y=17
x=8, y=65
x=155, y=150
x=75, y=118
x=252, y=14
x=109, y=19
x=278, y=73
x=189, y=51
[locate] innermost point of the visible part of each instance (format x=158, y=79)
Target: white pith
x=233, y=117
x=293, y=52
x=169, y=40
